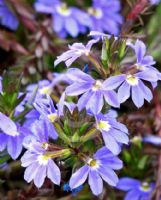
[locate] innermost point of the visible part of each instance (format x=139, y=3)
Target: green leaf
x=143, y=161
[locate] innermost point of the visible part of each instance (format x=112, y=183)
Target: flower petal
x=40, y=175
x=108, y=175
x=14, y=146
x=95, y=182
x=123, y=92
x=113, y=82
x=77, y=88
x=7, y=125
x=126, y=184
x=111, y=143
x=53, y=172
x=79, y=177
x=137, y=96
x=111, y=98
x=95, y=103
x=146, y=91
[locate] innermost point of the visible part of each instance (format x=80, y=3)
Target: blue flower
x=39, y=166
x=93, y=92
x=132, y=84
x=37, y=160
x=11, y=136
x=100, y=166
x=66, y=20
x=7, y=18
x=113, y=132
x=144, y=62
x=105, y=16
x=75, y=51
x=135, y=189
x=46, y=108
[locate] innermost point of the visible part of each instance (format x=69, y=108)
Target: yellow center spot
x=45, y=145
x=104, y=125
x=139, y=67
x=94, y=164
x=136, y=139
x=43, y=159
x=45, y=90
x=145, y=186
x=63, y=10
x=95, y=12
x=52, y=117
x=132, y=80
x=97, y=85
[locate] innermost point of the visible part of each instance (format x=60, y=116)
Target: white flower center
x=140, y=67
x=104, y=125
x=132, y=80
x=43, y=159
x=63, y=10
x=94, y=164
x=95, y=12
x=97, y=85
x=145, y=187
x=45, y=90
x=52, y=117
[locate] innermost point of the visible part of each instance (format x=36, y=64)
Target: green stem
x=97, y=65
x=90, y=134
x=61, y=133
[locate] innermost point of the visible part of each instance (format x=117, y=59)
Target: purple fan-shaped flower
x=105, y=16
x=7, y=17
x=75, y=51
x=132, y=84
x=114, y=133
x=36, y=160
x=143, y=61
x=39, y=166
x=11, y=136
x=100, y=166
x=135, y=189
x=93, y=92
x=65, y=20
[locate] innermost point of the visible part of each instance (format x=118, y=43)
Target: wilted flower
x=94, y=92
x=11, y=136
x=135, y=188
x=75, y=51
x=132, y=83
x=101, y=166
x=7, y=18
x=65, y=20
x=113, y=132
x=105, y=17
